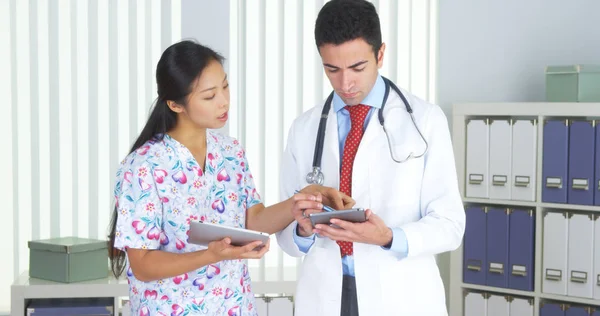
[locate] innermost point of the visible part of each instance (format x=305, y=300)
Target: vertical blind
x=78, y=84
x=276, y=74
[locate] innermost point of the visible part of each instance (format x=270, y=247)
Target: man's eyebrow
x=360, y=63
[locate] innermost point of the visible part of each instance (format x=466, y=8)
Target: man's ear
x=174, y=106
x=380, y=54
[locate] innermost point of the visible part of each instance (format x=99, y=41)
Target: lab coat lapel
x=366, y=154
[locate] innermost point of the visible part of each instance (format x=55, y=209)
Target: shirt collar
x=373, y=99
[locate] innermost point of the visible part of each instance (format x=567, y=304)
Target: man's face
x=351, y=68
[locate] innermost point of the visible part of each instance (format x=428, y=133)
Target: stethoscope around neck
x=316, y=176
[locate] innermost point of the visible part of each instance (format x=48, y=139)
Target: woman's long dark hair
x=177, y=70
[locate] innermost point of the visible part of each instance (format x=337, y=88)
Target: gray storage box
x=574, y=83
x=68, y=259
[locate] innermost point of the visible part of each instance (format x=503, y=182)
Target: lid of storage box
x=571, y=69
x=68, y=244
x=589, y=68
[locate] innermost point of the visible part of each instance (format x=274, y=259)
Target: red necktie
x=358, y=113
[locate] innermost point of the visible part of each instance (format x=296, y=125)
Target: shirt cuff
x=399, y=243
x=303, y=243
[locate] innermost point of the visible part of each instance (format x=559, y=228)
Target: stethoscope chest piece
x=316, y=176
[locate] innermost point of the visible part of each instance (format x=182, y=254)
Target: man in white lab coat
x=386, y=265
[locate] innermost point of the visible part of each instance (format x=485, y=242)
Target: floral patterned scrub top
x=160, y=188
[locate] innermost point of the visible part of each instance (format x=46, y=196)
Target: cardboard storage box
x=574, y=83
x=68, y=259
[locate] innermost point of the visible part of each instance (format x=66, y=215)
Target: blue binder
x=551, y=309
x=596, y=184
x=555, y=163
x=577, y=311
x=521, y=250
x=582, y=136
x=474, y=260
x=497, y=225
x=71, y=306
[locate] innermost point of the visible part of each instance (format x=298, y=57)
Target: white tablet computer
x=356, y=215
x=202, y=233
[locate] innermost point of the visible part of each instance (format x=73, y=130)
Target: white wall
x=497, y=50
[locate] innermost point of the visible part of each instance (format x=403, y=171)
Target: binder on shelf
x=577, y=311
x=524, y=160
x=477, y=155
x=555, y=161
x=498, y=306
x=500, y=159
x=554, y=257
x=581, y=255
x=596, y=276
x=474, y=259
x=521, y=307
x=552, y=309
x=261, y=305
x=281, y=306
x=497, y=247
x=521, y=249
x=596, y=184
x=582, y=141
x=475, y=304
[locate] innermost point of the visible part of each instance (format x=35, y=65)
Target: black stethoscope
x=316, y=176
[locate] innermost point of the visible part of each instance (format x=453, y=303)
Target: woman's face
x=208, y=103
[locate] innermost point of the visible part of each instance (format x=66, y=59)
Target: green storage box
x=68, y=259
x=575, y=83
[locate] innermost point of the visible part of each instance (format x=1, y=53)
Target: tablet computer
x=356, y=215
x=202, y=233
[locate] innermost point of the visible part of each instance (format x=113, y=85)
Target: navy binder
x=497, y=224
x=555, y=161
x=521, y=250
x=582, y=141
x=552, y=309
x=474, y=260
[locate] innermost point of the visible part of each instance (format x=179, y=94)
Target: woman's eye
x=210, y=98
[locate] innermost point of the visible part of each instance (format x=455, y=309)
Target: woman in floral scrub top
x=178, y=172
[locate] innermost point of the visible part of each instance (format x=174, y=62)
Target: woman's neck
x=193, y=139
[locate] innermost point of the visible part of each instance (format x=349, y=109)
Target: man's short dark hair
x=340, y=21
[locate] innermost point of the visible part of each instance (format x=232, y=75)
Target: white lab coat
x=420, y=196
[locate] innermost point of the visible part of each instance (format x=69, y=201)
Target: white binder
x=475, y=304
x=261, y=305
x=281, y=306
x=521, y=307
x=497, y=306
x=596, y=276
x=500, y=159
x=524, y=155
x=581, y=255
x=477, y=159
x=554, y=265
